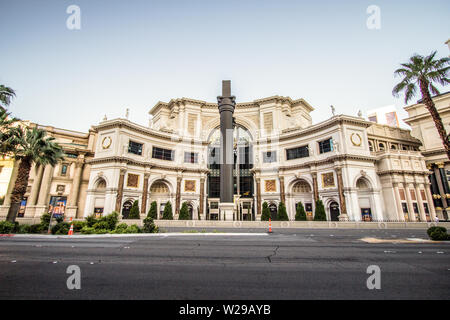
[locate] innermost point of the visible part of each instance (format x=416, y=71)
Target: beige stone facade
x=424, y=129
x=360, y=170
x=61, y=189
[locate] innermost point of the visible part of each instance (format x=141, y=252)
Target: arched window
x=362, y=184
x=101, y=184
x=159, y=187
x=301, y=187
x=381, y=146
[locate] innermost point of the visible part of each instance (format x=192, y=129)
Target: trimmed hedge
x=282, y=214
x=301, y=213
x=265, y=212
x=438, y=234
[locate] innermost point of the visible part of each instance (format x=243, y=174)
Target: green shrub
x=24, y=228
x=45, y=221
x=61, y=228
x=134, y=211
x=112, y=219
x=87, y=230
x=301, y=213
x=101, y=225
x=184, y=212
x=7, y=227
x=149, y=226
x=78, y=225
x=121, y=228
x=438, y=233
x=167, y=214
x=282, y=214
x=153, y=212
x=36, y=228
x=432, y=229
x=133, y=229
x=90, y=220
x=319, y=213
x=265, y=212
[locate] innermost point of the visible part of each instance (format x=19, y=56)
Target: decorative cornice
x=336, y=120
x=151, y=165
x=331, y=159
x=410, y=172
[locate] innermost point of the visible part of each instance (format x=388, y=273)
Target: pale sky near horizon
x=132, y=54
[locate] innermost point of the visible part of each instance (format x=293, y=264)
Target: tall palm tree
x=6, y=124
x=6, y=94
x=423, y=73
x=31, y=146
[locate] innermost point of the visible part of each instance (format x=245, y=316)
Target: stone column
x=420, y=204
x=343, y=215
x=145, y=193
x=120, y=190
x=73, y=197
x=438, y=176
x=430, y=203
x=178, y=196
x=315, y=186
x=45, y=186
x=282, y=193
x=72, y=207
x=202, y=197
x=36, y=186
x=400, y=214
x=226, y=104
x=411, y=214
x=258, y=196
x=12, y=181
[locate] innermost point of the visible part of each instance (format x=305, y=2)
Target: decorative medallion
x=132, y=180
x=328, y=180
x=106, y=142
x=270, y=186
x=189, y=185
x=356, y=139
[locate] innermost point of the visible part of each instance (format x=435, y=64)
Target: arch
x=100, y=184
x=215, y=123
x=163, y=181
x=100, y=176
x=365, y=198
x=126, y=207
x=366, y=177
x=294, y=180
x=301, y=186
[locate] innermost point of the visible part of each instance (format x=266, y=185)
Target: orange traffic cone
x=71, y=228
x=270, y=225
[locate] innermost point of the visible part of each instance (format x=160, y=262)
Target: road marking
x=14, y=261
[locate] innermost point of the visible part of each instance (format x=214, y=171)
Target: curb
x=133, y=235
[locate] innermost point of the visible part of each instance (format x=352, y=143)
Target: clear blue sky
x=135, y=53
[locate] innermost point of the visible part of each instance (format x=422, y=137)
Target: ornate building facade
x=360, y=170
x=61, y=189
x=424, y=129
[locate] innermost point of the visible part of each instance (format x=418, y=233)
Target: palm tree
x=32, y=146
x=6, y=124
x=423, y=73
x=6, y=94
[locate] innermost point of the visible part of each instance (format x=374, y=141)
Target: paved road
x=289, y=264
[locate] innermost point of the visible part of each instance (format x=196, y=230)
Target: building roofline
x=253, y=103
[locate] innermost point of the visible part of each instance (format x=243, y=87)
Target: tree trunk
x=20, y=187
x=428, y=101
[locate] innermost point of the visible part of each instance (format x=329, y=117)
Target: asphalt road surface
x=289, y=264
